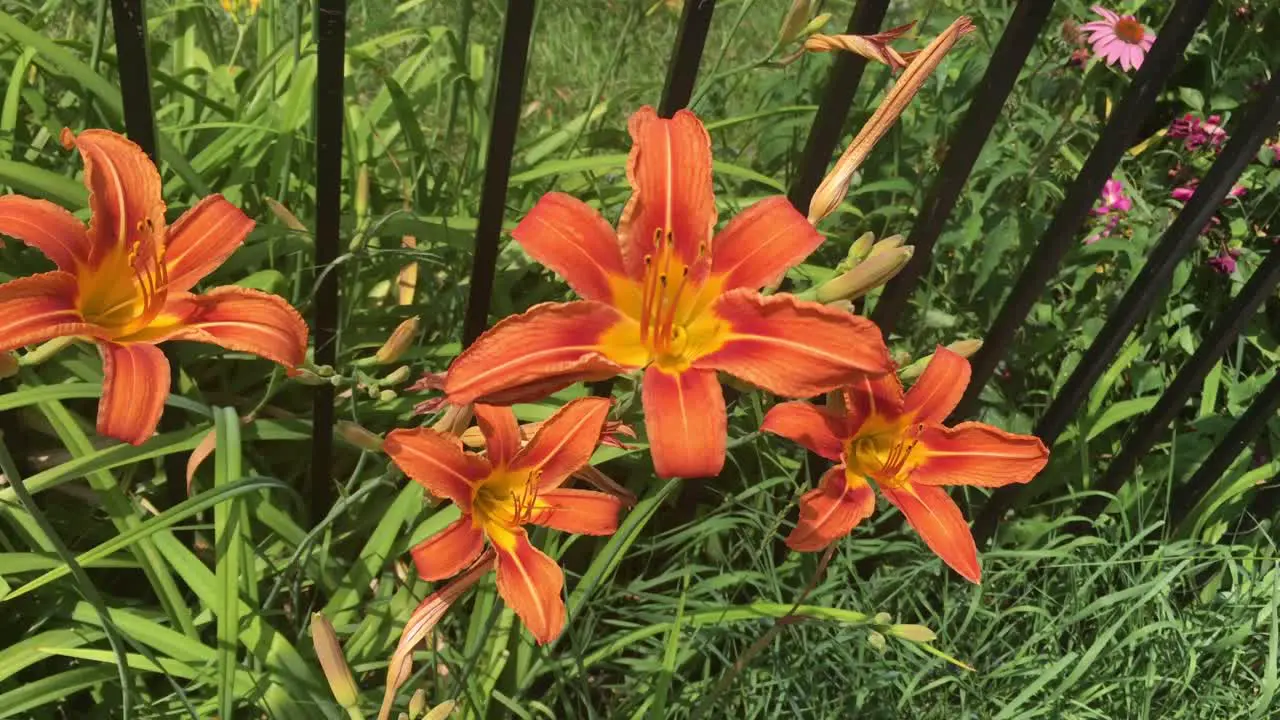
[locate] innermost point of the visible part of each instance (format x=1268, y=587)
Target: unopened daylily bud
x=8, y=365
x=794, y=21
x=876, y=640
x=914, y=633
x=362, y=193
x=872, y=47
x=816, y=24
x=387, y=395
x=417, y=703
x=307, y=377
x=357, y=435
x=864, y=277
x=861, y=248
x=889, y=243
x=835, y=185
x=883, y=618
x=441, y=711
x=336, y=670
x=397, y=376
x=963, y=348
x=283, y=215
x=399, y=342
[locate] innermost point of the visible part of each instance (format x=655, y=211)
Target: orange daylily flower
x=506, y=489
x=899, y=442
x=661, y=295
x=125, y=280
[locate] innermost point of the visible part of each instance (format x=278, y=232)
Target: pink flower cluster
x=1184, y=193
x=1113, y=204
x=1197, y=133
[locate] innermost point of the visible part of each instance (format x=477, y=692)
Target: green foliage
x=199, y=607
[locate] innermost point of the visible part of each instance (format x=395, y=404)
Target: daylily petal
x=761, y=243
x=38, y=308
x=814, y=428
x=46, y=227
x=564, y=442
x=940, y=523
x=531, y=583
x=449, y=551
x=686, y=421
x=202, y=239
x=528, y=356
x=573, y=240
x=939, y=388
x=585, y=512
x=238, y=319
x=830, y=511
x=501, y=433
x=124, y=192
x=794, y=348
x=670, y=171
x=436, y=462
x=871, y=396
x=135, y=383
x=973, y=453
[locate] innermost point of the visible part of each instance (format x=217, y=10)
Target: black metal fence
x=1027, y=22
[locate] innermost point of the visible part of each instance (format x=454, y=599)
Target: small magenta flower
x=1197, y=133
x=1113, y=203
x=1225, y=261
x=1119, y=38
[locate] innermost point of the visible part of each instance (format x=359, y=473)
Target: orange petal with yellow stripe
x=941, y=525
x=794, y=348
x=585, y=512
x=202, y=239
x=124, y=191
x=974, y=453
x=869, y=396
x=939, y=388
x=831, y=511
x=46, y=227
x=436, y=461
x=501, y=433
x=564, y=442
x=814, y=428
x=38, y=308
x=449, y=551
x=670, y=173
x=573, y=240
x=528, y=356
x=135, y=383
x=761, y=243
x=239, y=319
x=530, y=583
x=685, y=417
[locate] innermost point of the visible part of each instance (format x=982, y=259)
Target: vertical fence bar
x=682, y=72
x=129, y=24
x=1118, y=135
x=331, y=36
x=833, y=109
x=962, y=152
x=512, y=62
x=1149, y=284
x=1253, y=422
x=1149, y=429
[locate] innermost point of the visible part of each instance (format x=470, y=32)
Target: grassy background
x=1141, y=620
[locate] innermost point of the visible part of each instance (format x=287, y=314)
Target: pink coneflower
x=1197, y=133
x=1119, y=38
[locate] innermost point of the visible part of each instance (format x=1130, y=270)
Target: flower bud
x=866, y=276
x=336, y=670
x=417, y=703
x=307, y=377
x=963, y=348
x=441, y=711
x=398, y=343
x=890, y=243
x=282, y=214
x=816, y=24
x=794, y=21
x=356, y=435
x=883, y=618
x=914, y=633
x=8, y=365
x=861, y=248
x=876, y=640
x=362, y=193
x=835, y=185
x=387, y=396
x=397, y=376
